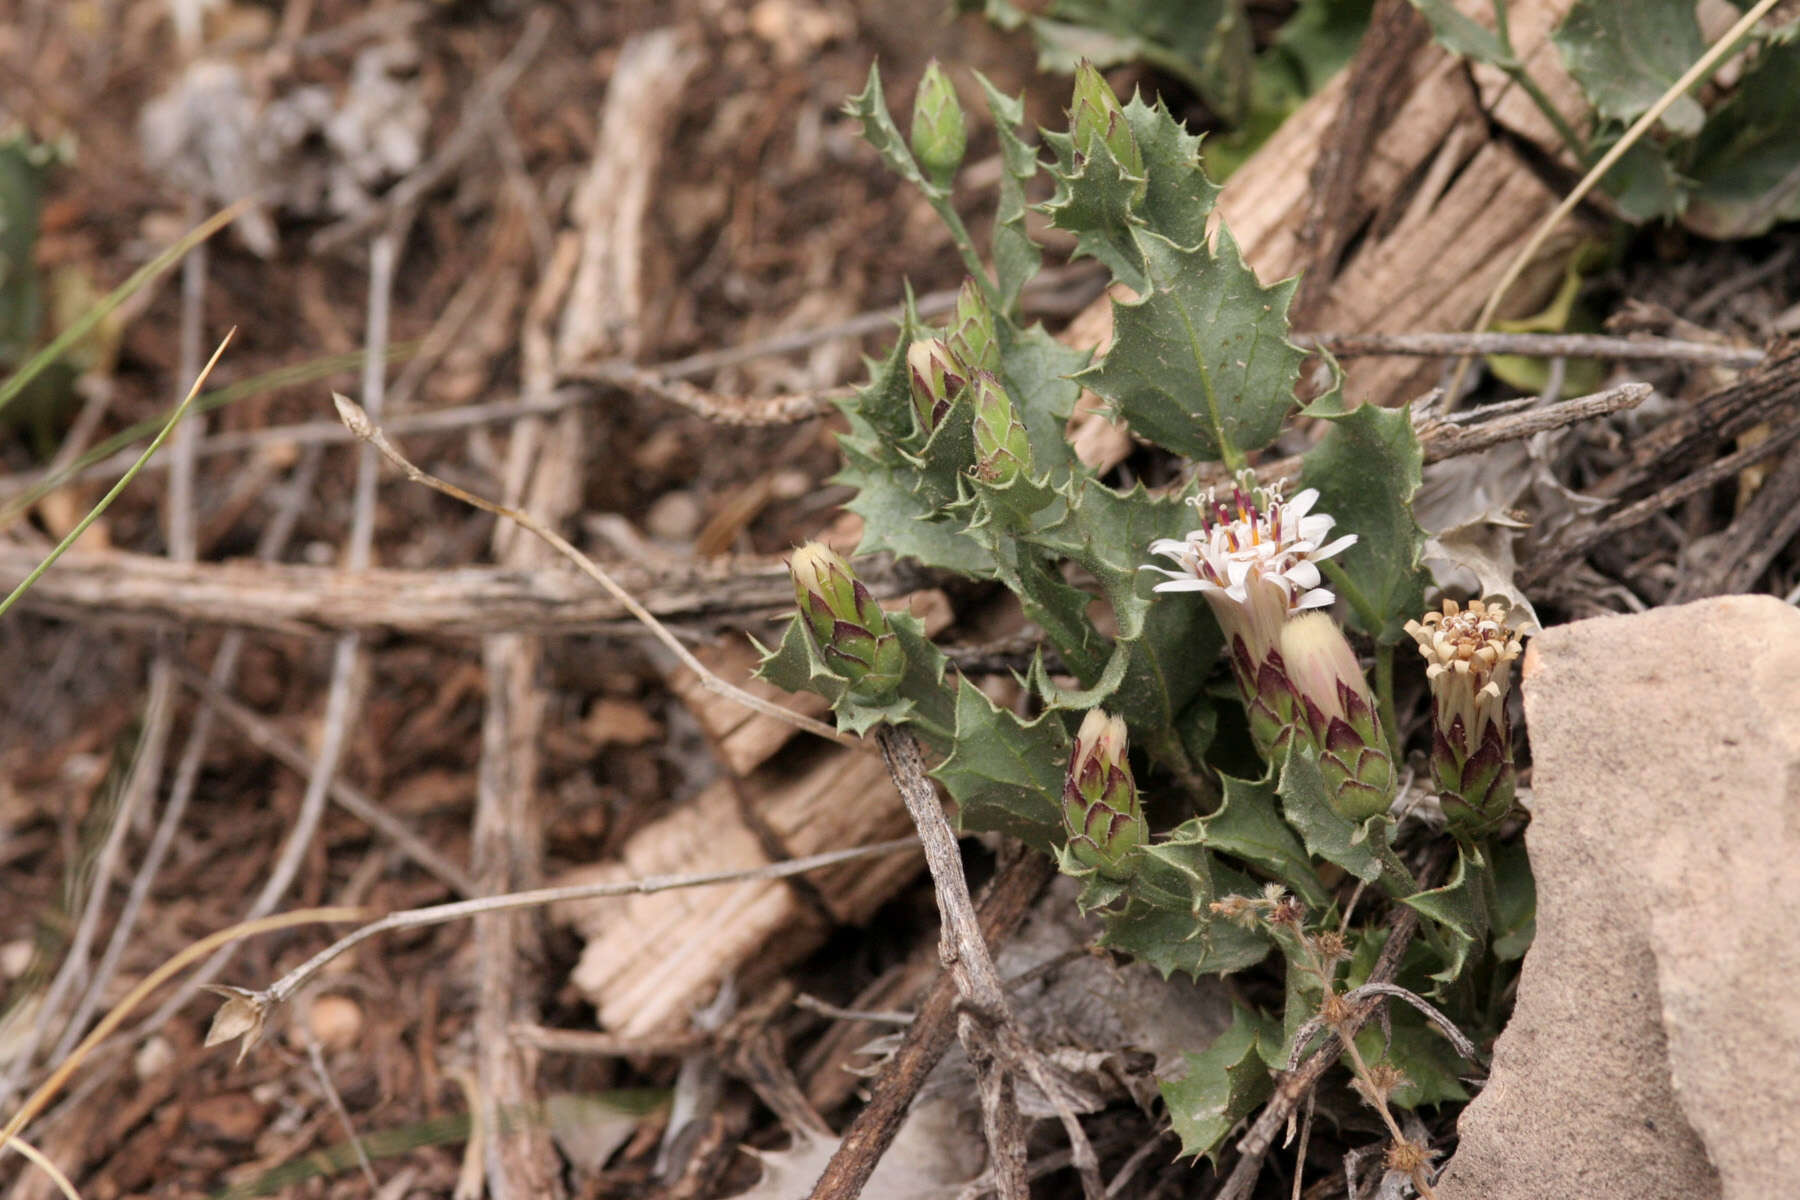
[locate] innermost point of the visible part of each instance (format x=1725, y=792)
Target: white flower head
x=1255, y=560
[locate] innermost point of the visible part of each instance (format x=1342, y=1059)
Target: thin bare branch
x=1534, y=345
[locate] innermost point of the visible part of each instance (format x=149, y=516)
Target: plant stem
x=1384, y=695
x=1575, y=142
x=965, y=245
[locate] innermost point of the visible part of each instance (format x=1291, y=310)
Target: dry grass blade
x=106, y=500
x=358, y=422
x=37, y=1159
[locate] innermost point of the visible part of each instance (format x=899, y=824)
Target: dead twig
x=996, y=1048
x=1533, y=345
x=1002, y=908
x=358, y=421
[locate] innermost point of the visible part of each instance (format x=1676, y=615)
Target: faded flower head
x=1469, y=655
x=1255, y=559
x=243, y=1015
x=1101, y=812
x=849, y=629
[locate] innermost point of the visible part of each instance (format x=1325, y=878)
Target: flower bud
x=1335, y=710
x=937, y=376
x=849, y=629
x=1002, y=450
x=1095, y=116
x=1101, y=812
x=971, y=334
x=939, y=137
x=1470, y=655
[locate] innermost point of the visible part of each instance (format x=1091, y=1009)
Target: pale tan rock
x=1654, y=1048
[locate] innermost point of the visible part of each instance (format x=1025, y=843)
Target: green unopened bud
x=1335, y=710
x=1096, y=116
x=937, y=375
x=848, y=628
x=939, y=137
x=1101, y=812
x=1470, y=655
x=971, y=335
x=1002, y=450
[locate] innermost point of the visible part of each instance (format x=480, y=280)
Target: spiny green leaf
x=1459, y=909
x=1366, y=469
x=1625, y=56
x=1093, y=200
x=869, y=107
x=1006, y=774
x=1016, y=256
x=1463, y=36
x=1200, y=363
x=1178, y=197
x=1223, y=1085
x=1247, y=826
x=1363, y=850
x=1166, y=920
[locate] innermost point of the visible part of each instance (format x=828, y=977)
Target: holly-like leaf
x=1223, y=1085
x=1016, y=256
x=1167, y=921
x=1204, y=43
x=1178, y=197
x=1366, y=469
x=1005, y=774
x=1361, y=849
x=1460, y=910
x=1247, y=826
x=869, y=107
x=1625, y=56
x=1094, y=199
x=1200, y=363
x=1748, y=157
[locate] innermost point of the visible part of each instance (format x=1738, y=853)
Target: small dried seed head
x=1331, y=946
x=1405, y=1157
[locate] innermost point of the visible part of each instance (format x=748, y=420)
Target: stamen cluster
x=1469, y=655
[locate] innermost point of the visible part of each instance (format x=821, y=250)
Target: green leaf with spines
x=1016, y=257
x=1166, y=920
x=1366, y=469
x=1178, y=197
x=869, y=107
x=1224, y=1084
x=896, y=494
x=1247, y=826
x=1362, y=849
x=1200, y=363
x=1006, y=774
x=1460, y=908
x=1093, y=199
x=1625, y=56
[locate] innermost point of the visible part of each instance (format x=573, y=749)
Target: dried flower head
x=1470, y=653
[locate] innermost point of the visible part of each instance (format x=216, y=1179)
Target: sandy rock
x=1653, y=1048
